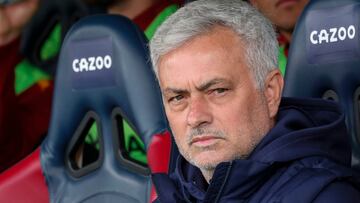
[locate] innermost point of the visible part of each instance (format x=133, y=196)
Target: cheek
x=237, y=112
x=178, y=127
x=243, y=116
x=180, y=141
x=176, y=121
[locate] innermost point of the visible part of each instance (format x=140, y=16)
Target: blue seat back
x=324, y=59
x=104, y=73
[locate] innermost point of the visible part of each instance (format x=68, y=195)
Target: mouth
x=285, y=3
x=204, y=141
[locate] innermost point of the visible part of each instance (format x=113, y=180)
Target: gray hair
x=200, y=17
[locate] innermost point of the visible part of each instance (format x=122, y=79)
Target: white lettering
x=313, y=33
x=99, y=62
x=107, y=61
x=323, y=36
x=351, y=32
x=91, y=63
x=332, y=35
x=74, y=65
x=83, y=65
x=342, y=34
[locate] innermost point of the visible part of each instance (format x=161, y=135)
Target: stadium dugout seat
x=324, y=60
x=104, y=81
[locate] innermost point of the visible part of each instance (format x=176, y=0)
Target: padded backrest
x=324, y=59
x=104, y=73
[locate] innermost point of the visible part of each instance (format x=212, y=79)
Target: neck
x=130, y=8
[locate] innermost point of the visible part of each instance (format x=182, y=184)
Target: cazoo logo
x=332, y=35
x=91, y=63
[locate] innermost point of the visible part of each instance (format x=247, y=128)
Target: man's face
x=283, y=13
x=214, y=109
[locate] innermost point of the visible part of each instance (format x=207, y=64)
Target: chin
x=207, y=165
x=209, y=160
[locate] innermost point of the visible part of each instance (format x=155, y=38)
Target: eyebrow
x=170, y=90
x=202, y=87
x=206, y=85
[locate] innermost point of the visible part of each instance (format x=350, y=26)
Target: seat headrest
x=324, y=58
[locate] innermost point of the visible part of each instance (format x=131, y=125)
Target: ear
x=274, y=84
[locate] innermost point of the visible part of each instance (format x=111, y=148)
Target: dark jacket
x=304, y=158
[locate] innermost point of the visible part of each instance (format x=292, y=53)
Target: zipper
x=224, y=182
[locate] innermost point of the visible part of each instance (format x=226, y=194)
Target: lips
x=285, y=2
x=204, y=141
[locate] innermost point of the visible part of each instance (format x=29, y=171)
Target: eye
x=175, y=99
x=219, y=91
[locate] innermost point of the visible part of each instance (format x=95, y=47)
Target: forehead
x=218, y=53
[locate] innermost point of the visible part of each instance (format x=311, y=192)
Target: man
x=283, y=14
x=216, y=63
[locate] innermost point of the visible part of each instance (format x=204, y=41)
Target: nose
x=199, y=112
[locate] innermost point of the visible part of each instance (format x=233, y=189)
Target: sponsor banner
x=332, y=34
x=92, y=63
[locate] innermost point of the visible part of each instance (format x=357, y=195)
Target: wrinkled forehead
x=206, y=58
x=215, y=49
